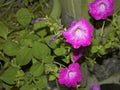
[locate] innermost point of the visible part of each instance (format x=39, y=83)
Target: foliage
x=28, y=60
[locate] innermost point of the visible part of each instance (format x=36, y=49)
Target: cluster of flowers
x=79, y=35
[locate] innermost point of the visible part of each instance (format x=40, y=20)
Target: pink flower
x=78, y=53
x=70, y=76
x=101, y=9
x=79, y=34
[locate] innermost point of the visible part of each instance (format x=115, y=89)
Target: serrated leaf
x=9, y=76
x=60, y=51
x=3, y=30
x=40, y=50
x=24, y=56
x=24, y=17
x=10, y=48
x=37, y=69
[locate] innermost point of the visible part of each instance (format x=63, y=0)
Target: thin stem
x=102, y=30
x=57, y=84
x=59, y=64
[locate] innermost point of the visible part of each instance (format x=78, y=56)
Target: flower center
x=71, y=74
x=102, y=6
x=79, y=32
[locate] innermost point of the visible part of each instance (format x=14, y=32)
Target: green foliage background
x=27, y=59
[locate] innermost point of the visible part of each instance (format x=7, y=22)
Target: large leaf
x=37, y=69
x=40, y=50
x=3, y=30
x=41, y=83
x=24, y=56
x=10, y=48
x=28, y=87
x=24, y=17
x=9, y=76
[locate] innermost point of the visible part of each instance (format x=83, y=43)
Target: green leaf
x=60, y=51
x=95, y=42
x=52, y=77
x=108, y=45
x=10, y=48
x=27, y=87
x=24, y=17
x=37, y=69
x=42, y=32
x=39, y=25
x=51, y=68
x=41, y=83
x=47, y=40
x=102, y=51
x=9, y=76
x=24, y=56
x=48, y=59
x=3, y=30
x=6, y=86
x=40, y=50
x=94, y=49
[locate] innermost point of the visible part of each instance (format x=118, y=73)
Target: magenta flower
x=78, y=53
x=101, y=9
x=70, y=76
x=95, y=87
x=79, y=34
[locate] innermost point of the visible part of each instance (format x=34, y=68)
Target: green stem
x=59, y=64
x=102, y=30
x=57, y=84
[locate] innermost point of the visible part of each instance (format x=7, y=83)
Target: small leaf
x=10, y=48
x=52, y=77
x=102, y=51
x=24, y=17
x=51, y=68
x=60, y=51
x=24, y=56
x=39, y=25
x=9, y=76
x=47, y=40
x=94, y=49
x=37, y=69
x=48, y=59
x=3, y=30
